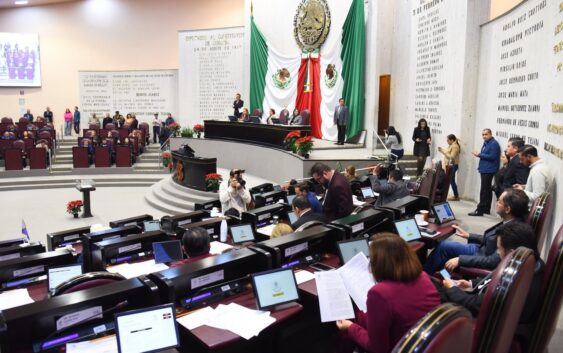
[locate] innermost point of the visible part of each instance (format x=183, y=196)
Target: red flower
x=198, y=127
x=303, y=140
x=212, y=176
x=294, y=133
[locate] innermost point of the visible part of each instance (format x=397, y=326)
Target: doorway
x=384, y=102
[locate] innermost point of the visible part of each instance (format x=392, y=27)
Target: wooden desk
x=446, y=230
x=262, y=134
x=191, y=171
x=214, y=340
x=310, y=287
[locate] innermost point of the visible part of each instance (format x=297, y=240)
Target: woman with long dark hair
x=422, y=140
x=451, y=156
x=394, y=142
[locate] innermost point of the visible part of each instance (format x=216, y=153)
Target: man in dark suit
x=394, y=189
x=515, y=173
x=28, y=116
x=337, y=202
x=340, y=120
x=48, y=115
x=480, y=250
x=237, y=104
x=304, y=212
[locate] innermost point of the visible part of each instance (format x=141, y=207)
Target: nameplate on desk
x=209, y=278
x=296, y=249
x=185, y=221
x=79, y=316
x=357, y=227
x=269, y=199
x=71, y=237
x=263, y=216
x=113, y=237
x=28, y=271
x=10, y=256
x=128, y=248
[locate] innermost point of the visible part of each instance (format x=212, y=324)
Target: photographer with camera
x=233, y=193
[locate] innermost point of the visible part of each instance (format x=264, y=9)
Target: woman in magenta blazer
x=402, y=295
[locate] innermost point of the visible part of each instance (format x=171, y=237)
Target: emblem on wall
x=282, y=78
x=311, y=24
x=180, y=171
x=331, y=75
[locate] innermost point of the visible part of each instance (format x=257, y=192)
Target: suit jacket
x=48, y=115
x=337, y=202
x=237, y=106
x=390, y=192
x=342, y=118
x=308, y=217
x=486, y=256
x=296, y=120
x=515, y=173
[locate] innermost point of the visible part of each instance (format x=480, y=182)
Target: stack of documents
x=216, y=248
x=336, y=287
x=266, y=229
x=136, y=269
x=242, y=321
x=12, y=298
x=99, y=345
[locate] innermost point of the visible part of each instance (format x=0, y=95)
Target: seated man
x=470, y=293
x=394, y=189
x=303, y=211
x=302, y=189
x=481, y=249
x=195, y=242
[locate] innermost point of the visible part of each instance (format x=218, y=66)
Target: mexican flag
x=313, y=80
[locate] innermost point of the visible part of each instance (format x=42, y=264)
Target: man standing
x=76, y=120
x=28, y=116
x=107, y=120
x=232, y=192
x=515, y=173
x=48, y=114
x=340, y=120
x=156, y=122
x=337, y=201
x=540, y=178
x=302, y=189
x=169, y=120
x=237, y=104
x=489, y=160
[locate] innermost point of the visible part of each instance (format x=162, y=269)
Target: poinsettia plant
x=212, y=181
x=174, y=128
x=74, y=207
x=304, y=145
x=290, y=139
x=198, y=128
x=167, y=160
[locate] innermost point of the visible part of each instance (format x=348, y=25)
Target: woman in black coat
x=422, y=140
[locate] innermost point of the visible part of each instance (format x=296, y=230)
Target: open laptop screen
x=274, y=287
x=150, y=226
x=367, y=192
x=167, y=251
x=242, y=233
x=146, y=330
x=61, y=274
x=349, y=248
x=443, y=212
x=292, y=217
x=408, y=229
x=290, y=199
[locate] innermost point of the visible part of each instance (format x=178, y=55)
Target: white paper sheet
x=303, y=276
x=16, y=297
x=334, y=302
x=242, y=321
x=197, y=318
x=217, y=248
x=102, y=345
x=266, y=229
x=137, y=269
x=357, y=279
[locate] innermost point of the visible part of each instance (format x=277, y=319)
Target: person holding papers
x=402, y=295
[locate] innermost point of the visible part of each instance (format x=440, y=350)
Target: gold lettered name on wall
x=556, y=151
x=557, y=107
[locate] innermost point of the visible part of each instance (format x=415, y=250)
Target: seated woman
x=245, y=115
x=350, y=173
x=281, y=229
x=195, y=242
x=296, y=119
x=271, y=115
x=402, y=296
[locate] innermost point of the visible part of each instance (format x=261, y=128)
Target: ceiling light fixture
x=21, y=2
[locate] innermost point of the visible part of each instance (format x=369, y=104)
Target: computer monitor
x=367, y=193
x=60, y=274
x=443, y=212
x=408, y=229
x=151, y=225
x=292, y=217
x=167, y=251
x=277, y=188
x=275, y=287
x=242, y=233
x=232, y=118
x=147, y=330
x=290, y=199
x=349, y=248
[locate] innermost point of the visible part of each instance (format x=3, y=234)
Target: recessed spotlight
x=21, y=2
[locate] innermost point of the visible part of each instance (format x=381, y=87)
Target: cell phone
x=321, y=267
x=445, y=274
x=428, y=231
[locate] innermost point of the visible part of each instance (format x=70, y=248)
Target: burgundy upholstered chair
x=552, y=295
x=4, y=145
x=123, y=133
x=7, y=120
x=446, y=329
x=80, y=157
x=442, y=190
x=540, y=215
x=306, y=116
x=13, y=159
x=23, y=120
x=427, y=184
x=94, y=126
x=87, y=280
x=102, y=157
x=110, y=126
x=122, y=156
x=37, y=158
x=114, y=134
x=257, y=112
x=284, y=114
x=146, y=130
x=503, y=302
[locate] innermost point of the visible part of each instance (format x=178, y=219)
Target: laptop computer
x=367, y=193
x=292, y=217
x=443, y=212
x=408, y=229
x=60, y=274
x=277, y=188
x=347, y=249
x=232, y=118
x=147, y=330
x=242, y=233
x=149, y=226
x=275, y=287
x=167, y=251
x=290, y=199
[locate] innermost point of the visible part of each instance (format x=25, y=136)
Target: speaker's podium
x=190, y=171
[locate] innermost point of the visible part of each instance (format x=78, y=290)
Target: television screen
x=19, y=60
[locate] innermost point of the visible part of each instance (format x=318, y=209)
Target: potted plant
x=289, y=140
x=187, y=132
x=167, y=160
x=74, y=207
x=198, y=129
x=304, y=146
x=174, y=129
x=212, y=181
